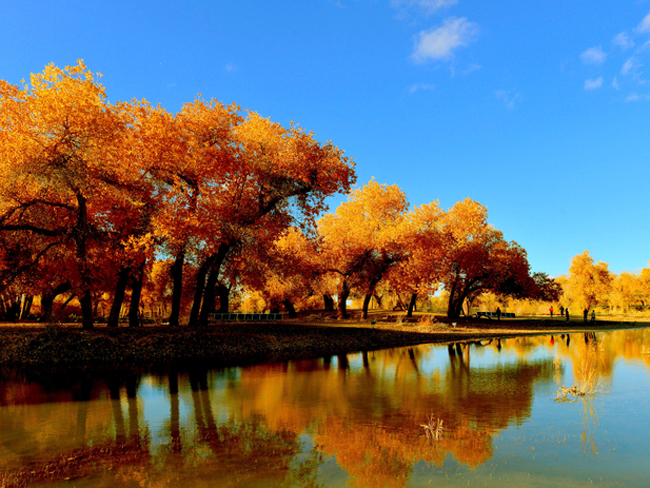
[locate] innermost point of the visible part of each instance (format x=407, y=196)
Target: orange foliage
x=477, y=258
x=361, y=241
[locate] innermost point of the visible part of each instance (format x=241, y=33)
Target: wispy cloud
x=615, y=83
x=632, y=68
x=623, y=41
x=439, y=43
x=594, y=84
x=635, y=97
x=416, y=87
x=508, y=97
x=593, y=55
x=644, y=26
x=427, y=6
x=230, y=68
x=469, y=69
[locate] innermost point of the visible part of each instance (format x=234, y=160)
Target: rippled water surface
x=491, y=413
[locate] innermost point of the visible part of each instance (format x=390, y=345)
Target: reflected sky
x=483, y=413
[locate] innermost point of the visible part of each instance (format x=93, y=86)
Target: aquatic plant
x=433, y=428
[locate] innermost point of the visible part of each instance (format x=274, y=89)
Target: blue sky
x=538, y=110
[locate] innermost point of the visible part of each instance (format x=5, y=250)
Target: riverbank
x=246, y=343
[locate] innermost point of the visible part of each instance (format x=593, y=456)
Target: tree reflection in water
x=281, y=424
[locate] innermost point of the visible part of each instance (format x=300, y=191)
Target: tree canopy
x=108, y=202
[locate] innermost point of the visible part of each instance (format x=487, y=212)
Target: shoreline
x=238, y=344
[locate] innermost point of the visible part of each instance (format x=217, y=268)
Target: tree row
x=103, y=203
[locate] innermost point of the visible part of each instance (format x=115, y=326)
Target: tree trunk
x=400, y=302
x=47, y=306
x=328, y=302
x=412, y=305
x=209, y=296
x=210, y=289
x=136, y=293
x=224, y=298
x=47, y=301
x=455, y=306
x=366, y=305
x=79, y=234
x=198, y=292
x=291, y=310
x=177, y=277
x=118, y=298
x=27, y=307
x=87, y=322
x=65, y=304
x=342, y=306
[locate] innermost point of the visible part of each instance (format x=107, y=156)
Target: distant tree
x=644, y=285
x=587, y=283
x=625, y=290
x=546, y=289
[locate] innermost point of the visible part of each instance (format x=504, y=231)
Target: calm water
x=482, y=414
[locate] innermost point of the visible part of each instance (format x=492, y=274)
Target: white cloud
x=508, y=97
x=635, y=97
x=593, y=55
x=594, y=84
x=421, y=87
x=230, y=68
x=644, y=46
x=439, y=43
x=624, y=41
x=644, y=26
x=632, y=67
x=627, y=66
x=428, y=6
x=615, y=83
x=470, y=68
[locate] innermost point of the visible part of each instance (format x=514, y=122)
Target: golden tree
x=65, y=178
x=625, y=290
x=362, y=240
x=587, y=283
x=419, y=273
x=476, y=258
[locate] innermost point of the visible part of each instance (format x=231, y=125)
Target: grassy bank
x=243, y=343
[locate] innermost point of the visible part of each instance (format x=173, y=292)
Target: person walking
x=585, y=314
x=561, y=310
x=551, y=311
x=566, y=310
x=498, y=313
x=593, y=315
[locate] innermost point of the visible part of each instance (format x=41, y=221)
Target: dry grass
x=587, y=380
x=433, y=428
x=587, y=375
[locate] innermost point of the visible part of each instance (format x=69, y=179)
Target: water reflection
x=384, y=418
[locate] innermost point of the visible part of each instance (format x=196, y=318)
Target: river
x=563, y=410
